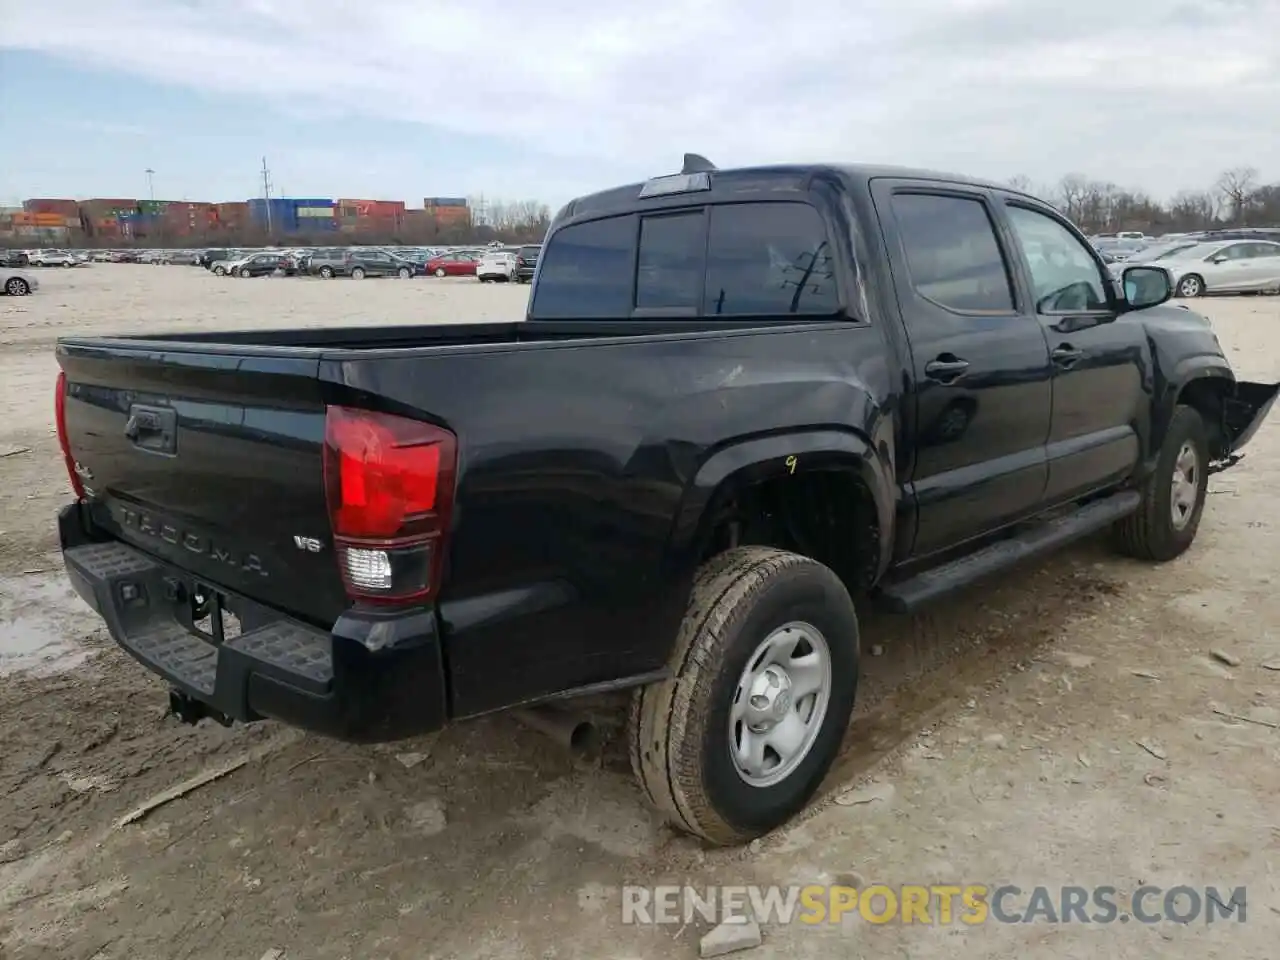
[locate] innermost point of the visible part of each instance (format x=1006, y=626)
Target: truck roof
x=775, y=180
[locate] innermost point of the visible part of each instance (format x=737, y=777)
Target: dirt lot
x=997, y=738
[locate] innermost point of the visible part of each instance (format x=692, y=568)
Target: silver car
x=1233, y=266
x=17, y=284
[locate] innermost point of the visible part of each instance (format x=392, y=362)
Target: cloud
x=1153, y=93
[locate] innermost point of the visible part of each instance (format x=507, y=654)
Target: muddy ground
x=996, y=740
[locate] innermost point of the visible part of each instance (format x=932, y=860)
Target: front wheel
x=219, y=271
x=404, y=273
x=1190, y=286
x=17, y=287
x=1173, y=496
x=357, y=273
x=764, y=674
x=326, y=273
x=440, y=271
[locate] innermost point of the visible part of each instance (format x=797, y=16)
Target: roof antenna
x=696, y=163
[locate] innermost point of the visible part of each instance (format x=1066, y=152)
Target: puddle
x=42, y=623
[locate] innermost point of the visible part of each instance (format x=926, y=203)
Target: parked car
x=457, y=264
x=15, y=283
x=257, y=265
x=527, y=262
x=361, y=262
x=416, y=525
x=1237, y=266
x=51, y=258
x=497, y=265
x=209, y=257
x=14, y=258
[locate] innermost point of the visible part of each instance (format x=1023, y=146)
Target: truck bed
x=446, y=335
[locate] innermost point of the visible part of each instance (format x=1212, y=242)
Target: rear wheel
x=357, y=273
x=439, y=271
x=404, y=273
x=17, y=287
x=765, y=670
x=1173, y=496
x=219, y=271
x=326, y=272
x=1190, y=286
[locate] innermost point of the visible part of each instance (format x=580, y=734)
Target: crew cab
x=743, y=405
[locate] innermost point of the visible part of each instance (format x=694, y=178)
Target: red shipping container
x=62, y=208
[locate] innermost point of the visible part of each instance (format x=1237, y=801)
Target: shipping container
x=445, y=202
x=315, y=212
x=63, y=208
x=312, y=202
x=49, y=219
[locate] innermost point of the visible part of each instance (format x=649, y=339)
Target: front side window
x=952, y=252
x=1065, y=278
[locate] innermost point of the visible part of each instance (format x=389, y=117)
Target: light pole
x=151, y=185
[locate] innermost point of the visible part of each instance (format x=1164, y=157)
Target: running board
x=907, y=596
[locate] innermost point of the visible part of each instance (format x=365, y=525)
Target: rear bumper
x=372, y=678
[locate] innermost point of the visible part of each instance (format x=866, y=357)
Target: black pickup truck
x=741, y=403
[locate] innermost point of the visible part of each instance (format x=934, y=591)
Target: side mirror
x=1146, y=286
x=1220, y=258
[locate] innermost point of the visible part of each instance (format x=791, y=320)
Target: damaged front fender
x=1244, y=411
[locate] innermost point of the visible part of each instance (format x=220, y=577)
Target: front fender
x=754, y=459
x=1244, y=412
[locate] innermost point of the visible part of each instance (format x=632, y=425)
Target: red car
x=456, y=264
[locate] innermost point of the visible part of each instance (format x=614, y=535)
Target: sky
x=396, y=99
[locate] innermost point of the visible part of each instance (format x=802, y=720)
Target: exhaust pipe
x=572, y=731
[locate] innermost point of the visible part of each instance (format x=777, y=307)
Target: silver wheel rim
x=1186, y=486
x=16, y=287
x=780, y=704
x=404, y=274
x=1190, y=287
x=357, y=274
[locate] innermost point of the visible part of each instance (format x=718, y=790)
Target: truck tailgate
x=210, y=460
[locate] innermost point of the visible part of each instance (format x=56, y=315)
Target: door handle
x=946, y=368
x=1066, y=355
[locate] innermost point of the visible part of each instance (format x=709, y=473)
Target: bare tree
x=1236, y=187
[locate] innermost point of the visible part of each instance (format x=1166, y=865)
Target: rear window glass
x=586, y=271
x=769, y=259
x=671, y=262
x=733, y=260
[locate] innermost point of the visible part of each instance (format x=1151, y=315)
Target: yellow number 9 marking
x=791, y=464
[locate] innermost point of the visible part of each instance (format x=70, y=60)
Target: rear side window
x=671, y=263
x=769, y=259
x=952, y=252
x=586, y=271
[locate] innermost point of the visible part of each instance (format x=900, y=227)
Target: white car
x=51, y=258
x=1233, y=266
x=496, y=265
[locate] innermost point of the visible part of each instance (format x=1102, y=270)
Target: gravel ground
x=997, y=738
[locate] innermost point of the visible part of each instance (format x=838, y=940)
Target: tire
x=679, y=733
x=17, y=287
x=404, y=273
x=68, y=265
x=440, y=271
x=357, y=273
x=1192, y=285
x=1152, y=532
x=219, y=271
x=326, y=272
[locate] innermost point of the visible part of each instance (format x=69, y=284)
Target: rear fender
x=1243, y=413
x=752, y=460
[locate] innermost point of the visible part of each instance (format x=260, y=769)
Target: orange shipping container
x=49, y=219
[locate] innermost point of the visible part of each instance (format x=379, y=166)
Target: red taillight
x=389, y=483
x=60, y=420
